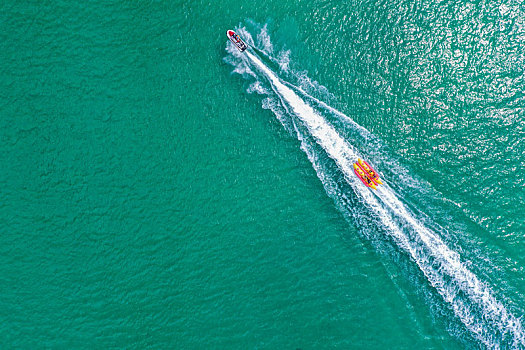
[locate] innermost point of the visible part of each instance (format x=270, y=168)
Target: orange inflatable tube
x=372, y=174
x=363, y=176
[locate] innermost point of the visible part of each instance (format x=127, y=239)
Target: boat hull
x=236, y=40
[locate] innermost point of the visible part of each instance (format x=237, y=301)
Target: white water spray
x=453, y=280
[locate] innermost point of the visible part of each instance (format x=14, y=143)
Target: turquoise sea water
x=161, y=190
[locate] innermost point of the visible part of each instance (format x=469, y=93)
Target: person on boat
x=363, y=175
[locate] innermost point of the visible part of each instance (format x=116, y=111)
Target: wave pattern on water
x=472, y=300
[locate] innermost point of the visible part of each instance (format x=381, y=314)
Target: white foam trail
x=263, y=40
x=451, y=277
x=362, y=130
x=465, y=280
x=336, y=146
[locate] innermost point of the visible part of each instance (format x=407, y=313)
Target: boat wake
x=471, y=300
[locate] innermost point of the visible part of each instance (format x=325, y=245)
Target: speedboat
x=236, y=40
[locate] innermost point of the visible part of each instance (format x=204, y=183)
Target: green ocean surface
x=150, y=199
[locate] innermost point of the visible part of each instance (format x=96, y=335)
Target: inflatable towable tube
x=372, y=174
x=367, y=174
x=364, y=177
